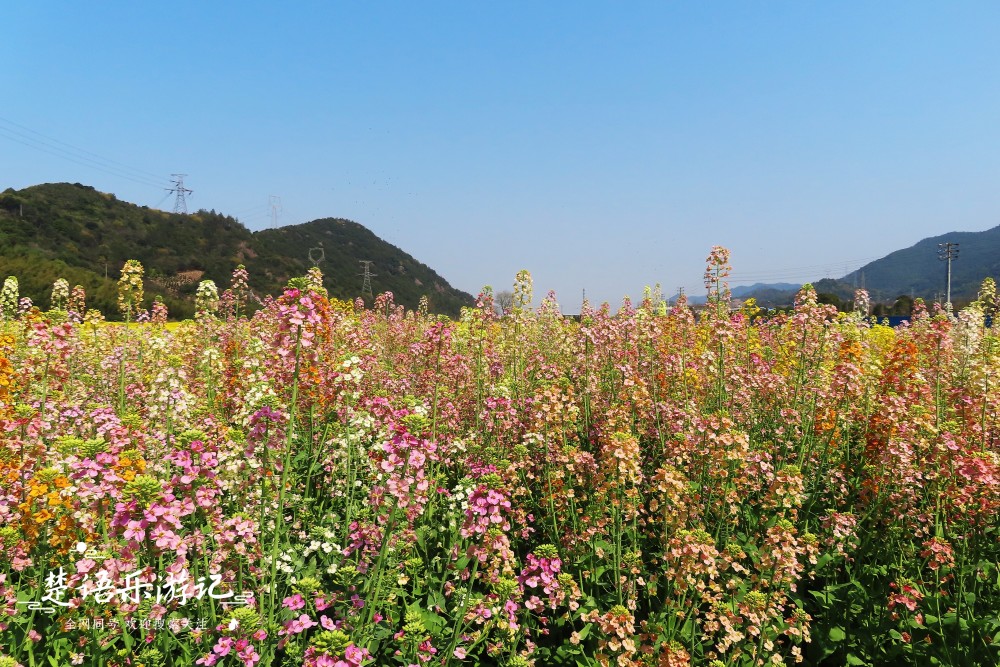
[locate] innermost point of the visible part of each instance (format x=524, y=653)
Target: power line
x=794, y=272
x=91, y=164
x=71, y=153
x=258, y=208
x=159, y=203
x=81, y=150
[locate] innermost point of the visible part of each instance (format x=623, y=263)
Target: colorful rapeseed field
x=327, y=485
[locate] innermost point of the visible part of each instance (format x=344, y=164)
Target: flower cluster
x=9, y=299
x=206, y=300
x=60, y=294
x=130, y=292
x=323, y=484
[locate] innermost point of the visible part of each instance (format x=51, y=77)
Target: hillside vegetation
x=903, y=275
x=917, y=269
x=73, y=231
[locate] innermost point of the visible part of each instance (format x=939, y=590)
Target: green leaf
x=836, y=634
x=855, y=660
x=823, y=596
x=823, y=560
x=432, y=621
x=949, y=620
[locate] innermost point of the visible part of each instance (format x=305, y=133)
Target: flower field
x=329, y=485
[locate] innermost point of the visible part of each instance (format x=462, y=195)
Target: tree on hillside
x=831, y=299
x=504, y=301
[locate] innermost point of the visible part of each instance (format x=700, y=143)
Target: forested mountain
x=73, y=231
x=914, y=272
x=917, y=269
x=741, y=291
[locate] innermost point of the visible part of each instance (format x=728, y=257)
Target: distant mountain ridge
x=741, y=291
x=764, y=293
x=72, y=231
x=915, y=271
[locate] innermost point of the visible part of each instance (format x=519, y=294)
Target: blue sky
x=603, y=146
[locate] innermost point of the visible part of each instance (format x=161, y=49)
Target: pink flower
x=223, y=646
x=165, y=539
x=297, y=625
x=83, y=566
x=355, y=655
x=249, y=656
x=135, y=531
x=294, y=602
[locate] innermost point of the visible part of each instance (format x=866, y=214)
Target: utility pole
x=180, y=203
x=366, y=288
x=946, y=253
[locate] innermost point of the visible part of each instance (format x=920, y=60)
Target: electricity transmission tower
x=366, y=288
x=275, y=204
x=946, y=253
x=317, y=255
x=180, y=203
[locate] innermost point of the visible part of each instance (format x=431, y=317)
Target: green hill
x=75, y=232
x=917, y=269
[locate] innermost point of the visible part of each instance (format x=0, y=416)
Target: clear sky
x=603, y=146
